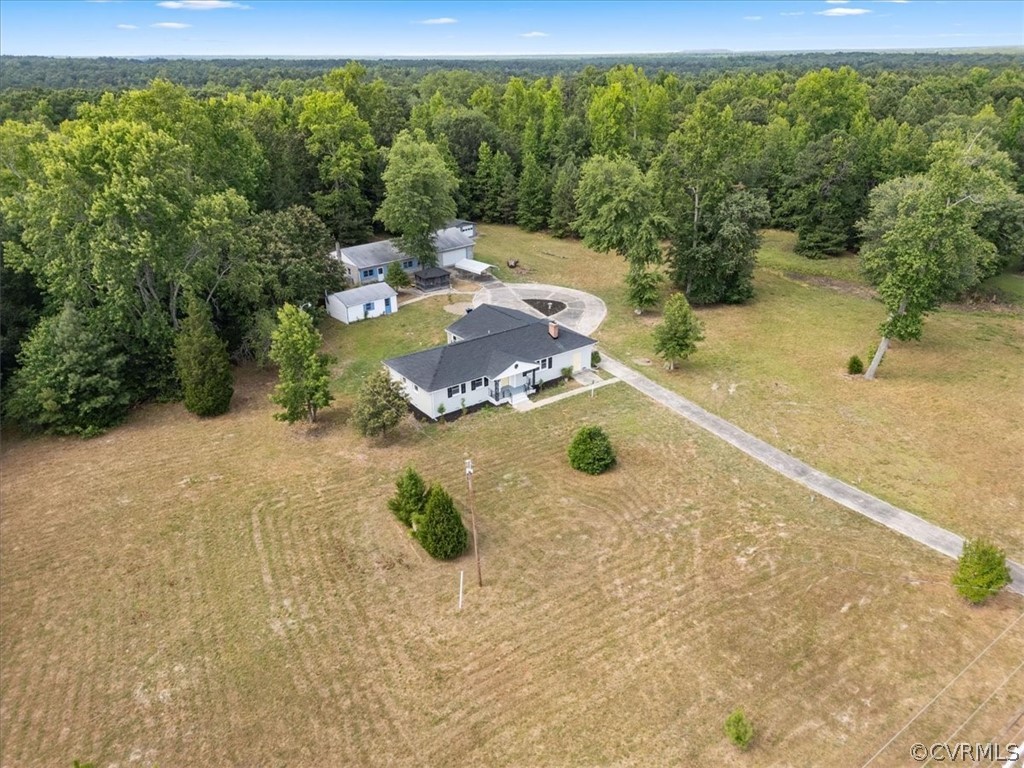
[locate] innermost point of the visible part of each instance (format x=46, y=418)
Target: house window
x=476, y=383
x=368, y=308
x=545, y=363
x=453, y=391
x=407, y=264
x=367, y=273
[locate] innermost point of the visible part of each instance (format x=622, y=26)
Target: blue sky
x=429, y=28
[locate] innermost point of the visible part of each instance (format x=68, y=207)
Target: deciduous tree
x=676, y=337
x=418, y=198
x=981, y=571
x=619, y=210
x=303, y=371
x=921, y=246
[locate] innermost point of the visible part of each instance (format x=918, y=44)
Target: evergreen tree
x=440, y=528
x=201, y=360
x=71, y=379
x=410, y=497
x=381, y=404
x=502, y=190
x=397, y=277
x=482, y=182
x=303, y=377
x=563, y=215
x=677, y=336
x=534, y=196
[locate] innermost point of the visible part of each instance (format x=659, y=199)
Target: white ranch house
x=369, y=262
x=364, y=302
x=495, y=355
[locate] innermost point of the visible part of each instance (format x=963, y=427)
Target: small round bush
x=981, y=571
x=591, y=451
x=739, y=730
x=855, y=366
x=595, y=359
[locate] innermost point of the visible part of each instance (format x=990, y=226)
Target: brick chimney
x=553, y=329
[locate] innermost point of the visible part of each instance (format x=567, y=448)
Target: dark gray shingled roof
x=451, y=364
x=488, y=319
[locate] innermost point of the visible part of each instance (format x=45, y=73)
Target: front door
x=387, y=306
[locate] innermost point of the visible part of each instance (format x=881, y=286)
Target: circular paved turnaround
x=583, y=311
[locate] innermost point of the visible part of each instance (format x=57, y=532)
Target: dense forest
x=131, y=191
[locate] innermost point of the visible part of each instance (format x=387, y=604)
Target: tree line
x=133, y=207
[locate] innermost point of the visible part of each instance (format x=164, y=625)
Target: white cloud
x=843, y=12
x=534, y=34
x=126, y=26
x=752, y=18
x=201, y=5
x=170, y=25
x=442, y=20
x=792, y=13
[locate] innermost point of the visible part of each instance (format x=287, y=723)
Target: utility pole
x=472, y=517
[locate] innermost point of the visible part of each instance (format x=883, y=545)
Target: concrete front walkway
x=531, y=405
x=583, y=311
x=891, y=517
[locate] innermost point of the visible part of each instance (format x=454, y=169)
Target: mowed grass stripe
x=623, y=616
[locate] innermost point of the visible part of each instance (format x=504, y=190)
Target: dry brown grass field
x=234, y=592
x=940, y=432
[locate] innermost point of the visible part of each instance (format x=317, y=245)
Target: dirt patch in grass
x=234, y=592
x=839, y=286
x=458, y=308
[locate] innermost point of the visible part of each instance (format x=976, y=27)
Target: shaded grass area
x=234, y=591
x=941, y=432
x=777, y=255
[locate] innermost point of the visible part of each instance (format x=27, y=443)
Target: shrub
x=739, y=730
x=854, y=366
x=981, y=571
x=595, y=359
x=591, y=451
x=567, y=372
x=410, y=496
x=440, y=529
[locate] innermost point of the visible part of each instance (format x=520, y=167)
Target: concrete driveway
x=583, y=312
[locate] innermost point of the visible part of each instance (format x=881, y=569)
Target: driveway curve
x=583, y=312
